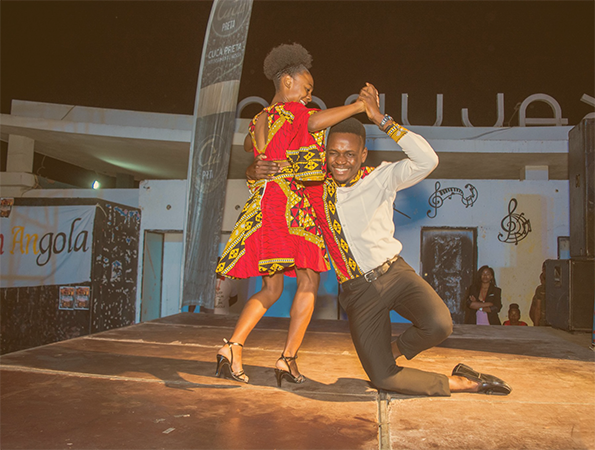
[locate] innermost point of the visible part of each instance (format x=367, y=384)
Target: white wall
x=163, y=208
x=517, y=267
x=128, y=197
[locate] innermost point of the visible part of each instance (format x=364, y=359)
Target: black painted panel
x=569, y=293
x=581, y=177
x=448, y=261
x=30, y=316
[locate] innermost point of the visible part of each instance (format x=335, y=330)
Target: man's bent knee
x=383, y=377
x=440, y=328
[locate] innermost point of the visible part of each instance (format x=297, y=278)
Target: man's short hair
x=351, y=125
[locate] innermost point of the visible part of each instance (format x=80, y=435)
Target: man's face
x=345, y=154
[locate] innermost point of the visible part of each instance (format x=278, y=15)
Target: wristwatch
x=385, y=119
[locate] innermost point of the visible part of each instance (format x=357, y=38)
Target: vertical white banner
x=214, y=114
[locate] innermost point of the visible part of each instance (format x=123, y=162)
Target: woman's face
x=300, y=90
x=514, y=315
x=486, y=276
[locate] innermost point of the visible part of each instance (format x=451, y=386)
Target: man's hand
x=261, y=169
x=369, y=96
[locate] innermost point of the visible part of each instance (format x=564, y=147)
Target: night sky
x=145, y=55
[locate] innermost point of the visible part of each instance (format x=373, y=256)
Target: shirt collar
x=362, y=172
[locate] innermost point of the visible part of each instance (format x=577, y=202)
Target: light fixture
x=96, y=185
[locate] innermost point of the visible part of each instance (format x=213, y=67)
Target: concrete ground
x=152, y=386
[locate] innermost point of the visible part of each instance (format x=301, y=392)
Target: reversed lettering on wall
x=555, y=120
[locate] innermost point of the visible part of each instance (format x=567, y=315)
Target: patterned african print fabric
x=277, y=229
x=324, y=199
x=343, y=260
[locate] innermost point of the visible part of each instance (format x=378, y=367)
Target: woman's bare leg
x=256, y=306
x=301, y=313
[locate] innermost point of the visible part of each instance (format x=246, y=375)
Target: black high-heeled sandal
x=280, y=373
x=224, y=366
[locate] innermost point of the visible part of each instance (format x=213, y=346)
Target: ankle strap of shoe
x=288, y=359
x=232, y=343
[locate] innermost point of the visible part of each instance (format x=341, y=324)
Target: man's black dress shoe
x=488, y=384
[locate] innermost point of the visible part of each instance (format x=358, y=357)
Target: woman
x=276, y=233
x=484, y=300
x=514, y=316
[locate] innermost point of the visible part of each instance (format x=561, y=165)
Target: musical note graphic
x=437, y=198
x=516, y=225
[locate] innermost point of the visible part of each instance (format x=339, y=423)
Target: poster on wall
x=46, y=245
x=81, y=297
x=6, y=205
x=66, y=300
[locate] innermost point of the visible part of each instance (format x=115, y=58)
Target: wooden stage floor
x=152, y=386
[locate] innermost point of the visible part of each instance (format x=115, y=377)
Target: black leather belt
x=376, y=273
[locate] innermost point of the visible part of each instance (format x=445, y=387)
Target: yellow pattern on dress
x=307, y=164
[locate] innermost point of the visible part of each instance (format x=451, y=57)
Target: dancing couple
x=297, y=212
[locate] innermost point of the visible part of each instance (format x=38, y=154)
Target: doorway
x=162, y=272
x=448, y=262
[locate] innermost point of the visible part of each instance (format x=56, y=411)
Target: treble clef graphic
x=516, y=226
x=437, y=198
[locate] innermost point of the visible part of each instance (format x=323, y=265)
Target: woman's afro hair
x=287, y=59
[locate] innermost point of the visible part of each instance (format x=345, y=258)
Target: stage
x=152, y=386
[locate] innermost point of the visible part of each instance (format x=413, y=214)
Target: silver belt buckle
x=370, y=276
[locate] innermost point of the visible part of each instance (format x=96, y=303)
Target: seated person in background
x=537, y=311
x=514, y=316
x=484, y=299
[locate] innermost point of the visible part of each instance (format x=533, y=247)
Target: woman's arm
x=332, y=116
x=474, y=304
x=477, y=305
x=248, y=143
x=496, y=300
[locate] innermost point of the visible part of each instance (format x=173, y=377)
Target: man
x=354, y=209
x=537, y=310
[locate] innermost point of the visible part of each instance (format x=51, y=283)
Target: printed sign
x=46, y=245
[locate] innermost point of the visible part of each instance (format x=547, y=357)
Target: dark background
x=145, y=56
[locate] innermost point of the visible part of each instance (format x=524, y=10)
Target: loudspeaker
x=581, y=175
x=569, y=293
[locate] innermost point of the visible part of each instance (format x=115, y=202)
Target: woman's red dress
x=277, y=229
